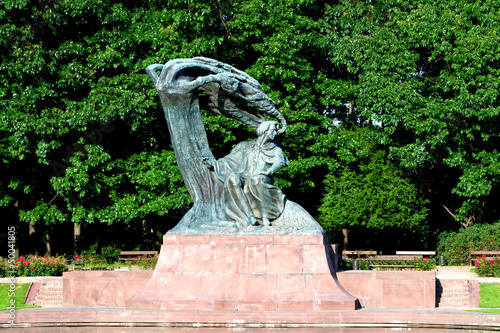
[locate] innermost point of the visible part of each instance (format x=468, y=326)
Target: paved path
x=394, y=317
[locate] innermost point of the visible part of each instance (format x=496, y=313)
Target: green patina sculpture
x=234, y=194
x=249, y=196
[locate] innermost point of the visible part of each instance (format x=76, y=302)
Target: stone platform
x=69, y=319
x=390, y=289
x=244, y=273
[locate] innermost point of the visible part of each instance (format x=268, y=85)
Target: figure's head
x=268, y=127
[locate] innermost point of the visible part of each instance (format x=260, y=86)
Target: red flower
x=491, y=261
x=95, y=255
x=85, y=256
x=425, y=259
x=476, y=263
x=34, y=269
x=20, y=259
x=77, y=256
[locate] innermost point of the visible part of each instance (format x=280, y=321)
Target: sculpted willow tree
x=236, y=192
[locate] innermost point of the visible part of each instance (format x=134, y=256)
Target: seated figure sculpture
x=249, y=195
x=233, y=194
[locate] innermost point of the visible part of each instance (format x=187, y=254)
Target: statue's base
x=244, y=273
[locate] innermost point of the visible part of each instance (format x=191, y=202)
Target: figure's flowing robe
x=247, y=192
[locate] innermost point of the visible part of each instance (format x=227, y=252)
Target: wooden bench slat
x=135, y=255
x=130, y=253
x=477, y=255
x=430, y=253
x=392, y=266
x=393, y=257
x=358, y=252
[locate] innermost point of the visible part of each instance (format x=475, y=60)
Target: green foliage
x=413, y=85
x=83, y=139
x=34, y=266
x=371, y=193
x=427, y=72
x=490, y=295
x=456, y=246
x=95, y=262
x=145, y=262
x=108, y=254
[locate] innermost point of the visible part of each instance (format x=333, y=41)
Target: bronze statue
x=234, y=194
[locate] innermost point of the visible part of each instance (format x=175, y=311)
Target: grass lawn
x=490, y=295
x=488, y=310
x=20, y=293
x=490, y=298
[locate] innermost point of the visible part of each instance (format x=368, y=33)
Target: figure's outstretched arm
x=152, y=70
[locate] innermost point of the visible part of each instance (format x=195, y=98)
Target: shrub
x=5, y=268
x=456, y=246
x=35, y=266
x=146, y=262
x=487, y=267
x=93, y=262
x=108, y=254
x=426, y=264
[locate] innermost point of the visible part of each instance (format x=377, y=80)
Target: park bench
x=417, y=253
x=488, y=255
x=389, y=258
x=135, y=255
x=346, y=255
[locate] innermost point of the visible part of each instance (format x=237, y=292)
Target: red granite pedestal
x=244, y=273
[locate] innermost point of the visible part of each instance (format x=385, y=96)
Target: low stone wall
x=102, y=288
x=373, y=289
x=390, y=289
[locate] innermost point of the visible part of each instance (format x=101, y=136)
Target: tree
x=370, y=191
x=83, y=138
x=427, y=71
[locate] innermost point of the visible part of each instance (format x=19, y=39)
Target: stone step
x=50, y=293
x=48, y=297
x=42, y=289
x=452, y=293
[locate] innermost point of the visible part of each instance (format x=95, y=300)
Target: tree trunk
x=346, y=239
x=77, y=232
x=32, y=229
x=48, y=248
x=32, y=245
